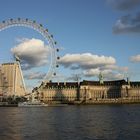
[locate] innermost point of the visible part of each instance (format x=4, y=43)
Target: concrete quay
x=94, y=102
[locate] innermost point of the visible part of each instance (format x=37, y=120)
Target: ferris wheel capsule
x=58, y=57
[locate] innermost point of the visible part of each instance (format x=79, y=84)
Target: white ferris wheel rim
x=44, y=32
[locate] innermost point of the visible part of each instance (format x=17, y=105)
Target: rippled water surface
x=118, y=122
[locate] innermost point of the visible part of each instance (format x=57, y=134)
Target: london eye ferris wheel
x=47, y=36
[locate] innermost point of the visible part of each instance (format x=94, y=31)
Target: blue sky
x=81, y=27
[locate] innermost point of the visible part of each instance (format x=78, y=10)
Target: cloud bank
x=32, y=52
x=92, y=65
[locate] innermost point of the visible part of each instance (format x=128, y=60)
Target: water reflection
x=71, y=122
x=11, y=121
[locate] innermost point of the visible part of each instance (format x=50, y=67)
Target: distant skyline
x=93, y=36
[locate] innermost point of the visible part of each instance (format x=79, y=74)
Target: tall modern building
x=11, y=80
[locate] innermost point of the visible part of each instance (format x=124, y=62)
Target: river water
x=99, y=122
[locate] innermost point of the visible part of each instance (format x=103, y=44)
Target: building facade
x=88, y=91
x=57, y=92
x=11, y=80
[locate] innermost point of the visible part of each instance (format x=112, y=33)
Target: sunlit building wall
x=11, y=81
x=89, y=91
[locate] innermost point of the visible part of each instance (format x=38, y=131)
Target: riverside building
x=88, y=91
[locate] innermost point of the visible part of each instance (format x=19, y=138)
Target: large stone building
x=57, y=91
x=88, y=91
x=11, y=80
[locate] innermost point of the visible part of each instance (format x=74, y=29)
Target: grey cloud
x=123, y=4
x=127, y=24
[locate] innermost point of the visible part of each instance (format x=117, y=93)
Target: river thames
x=103, y=122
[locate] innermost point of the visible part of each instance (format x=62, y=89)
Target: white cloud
x=32, y=52
x=135, y=58
x=91, y=65
x=114, y=76
x=92, y=72
x=34, y=75
x=96, y=72
x=116, y=68
x=85, y=61
x=107, y=74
